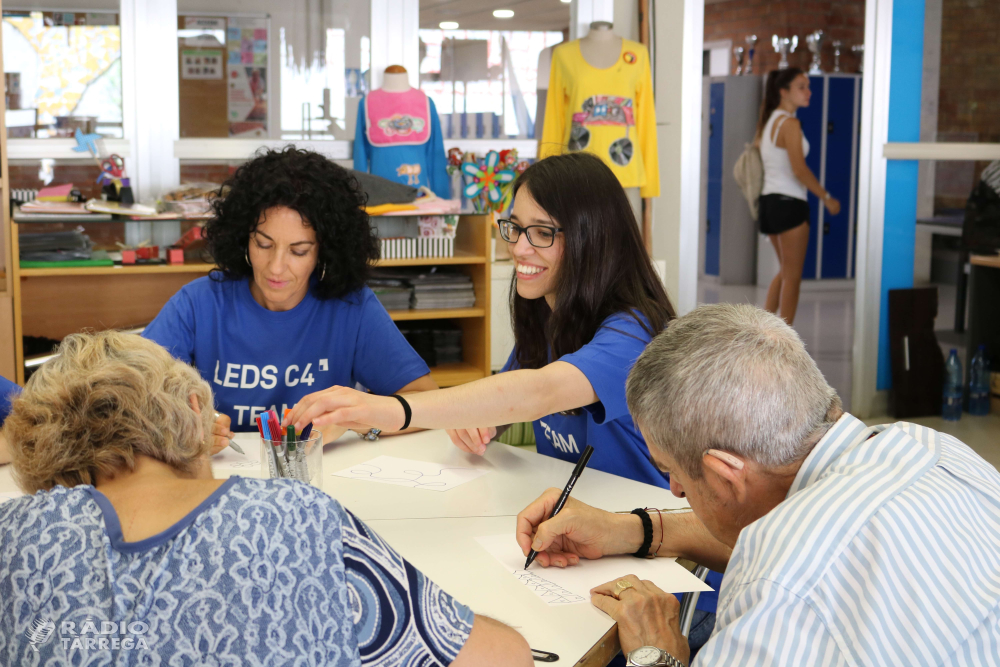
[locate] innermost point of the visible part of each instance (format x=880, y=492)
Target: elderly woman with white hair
x=842, y=544
x=130, y=553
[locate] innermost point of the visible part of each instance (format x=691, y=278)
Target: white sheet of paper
x=415, y=474
x=230, y=459
x=571, y=585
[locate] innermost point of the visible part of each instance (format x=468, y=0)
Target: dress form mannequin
x=600, y=100
x=398, y=135
x=601, y=48
x=395, y=79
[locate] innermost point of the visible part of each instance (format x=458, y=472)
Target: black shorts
x=779, y=213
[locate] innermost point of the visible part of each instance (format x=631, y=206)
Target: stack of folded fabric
x=385, y=196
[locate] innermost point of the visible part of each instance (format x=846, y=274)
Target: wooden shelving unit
x=55, y=302
x=472, y=252
x=115, y=270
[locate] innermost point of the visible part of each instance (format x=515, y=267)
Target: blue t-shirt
x=8, y=392
x=263, y=572
x=607, y=426
x=256, y=359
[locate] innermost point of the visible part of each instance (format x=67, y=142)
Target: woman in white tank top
x=784, y=207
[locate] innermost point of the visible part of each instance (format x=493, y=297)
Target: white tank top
x=778, y=175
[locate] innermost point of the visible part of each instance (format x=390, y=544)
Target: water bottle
x=951, y=404
x=979, y=384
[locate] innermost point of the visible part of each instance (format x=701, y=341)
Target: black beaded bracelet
x=408, y=414
x=647, y=532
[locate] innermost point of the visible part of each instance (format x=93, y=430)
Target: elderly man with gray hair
x=841, y=544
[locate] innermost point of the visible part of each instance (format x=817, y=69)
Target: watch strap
x=647, y=532
x=665, y=660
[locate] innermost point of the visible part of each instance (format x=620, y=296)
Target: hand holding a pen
x=578, y=531
x=221, y=433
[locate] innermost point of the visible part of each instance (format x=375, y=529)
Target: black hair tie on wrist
x=647, y=532
x=408, y=413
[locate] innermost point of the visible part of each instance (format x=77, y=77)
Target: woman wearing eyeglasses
x=585, y=301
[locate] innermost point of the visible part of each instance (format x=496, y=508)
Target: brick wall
x=969, y=102
x=838, y=19
x=970, y=68
x=206, y=173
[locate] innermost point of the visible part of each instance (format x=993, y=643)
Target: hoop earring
x=322, y=275
x=247, y=255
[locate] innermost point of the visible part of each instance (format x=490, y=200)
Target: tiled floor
x=825, y=321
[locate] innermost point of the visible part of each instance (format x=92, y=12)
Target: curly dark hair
x=326, y=195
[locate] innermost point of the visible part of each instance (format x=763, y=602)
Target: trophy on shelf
x=738, y=52
x=783, y=46
x=814, y=41
x=751, y=41
x=836, y=54
x=859, y=50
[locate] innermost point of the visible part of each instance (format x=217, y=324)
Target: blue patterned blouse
x=263, y=572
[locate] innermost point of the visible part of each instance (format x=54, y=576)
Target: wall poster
x=246, y=43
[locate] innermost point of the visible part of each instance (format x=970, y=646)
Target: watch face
x=645, y=655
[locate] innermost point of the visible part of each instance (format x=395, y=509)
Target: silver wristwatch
x=650, y=656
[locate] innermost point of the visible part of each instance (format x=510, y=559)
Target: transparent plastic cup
x=300, y=459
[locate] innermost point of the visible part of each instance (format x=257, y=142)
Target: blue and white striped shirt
x=886, y=551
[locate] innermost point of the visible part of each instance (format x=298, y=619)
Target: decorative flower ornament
x=487, y=178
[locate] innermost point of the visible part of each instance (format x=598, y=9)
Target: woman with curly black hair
x=288, y=312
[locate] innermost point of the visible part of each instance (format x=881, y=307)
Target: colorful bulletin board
x=246, y=76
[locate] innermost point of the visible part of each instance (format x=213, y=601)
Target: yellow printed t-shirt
x=607, y=112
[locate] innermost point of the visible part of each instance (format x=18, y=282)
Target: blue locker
x=811, y=118
x=717, y=97
x=840, y=157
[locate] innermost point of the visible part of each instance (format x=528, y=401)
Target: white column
x=866, y=401
x=584, y=12
x=680, y=29
x=394, y=38
x=150, y=95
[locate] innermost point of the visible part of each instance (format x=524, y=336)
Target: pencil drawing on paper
x=404, y=477
x=413, y=474
x=545, y=589
x=249, y=463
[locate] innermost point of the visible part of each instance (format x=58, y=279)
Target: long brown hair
x=604, y=269
x=777, y=80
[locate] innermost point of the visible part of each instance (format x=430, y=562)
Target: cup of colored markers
x=287, y=454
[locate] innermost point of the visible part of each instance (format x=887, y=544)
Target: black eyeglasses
x=540, y=236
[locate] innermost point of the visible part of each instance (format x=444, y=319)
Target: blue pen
x=265, y=437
